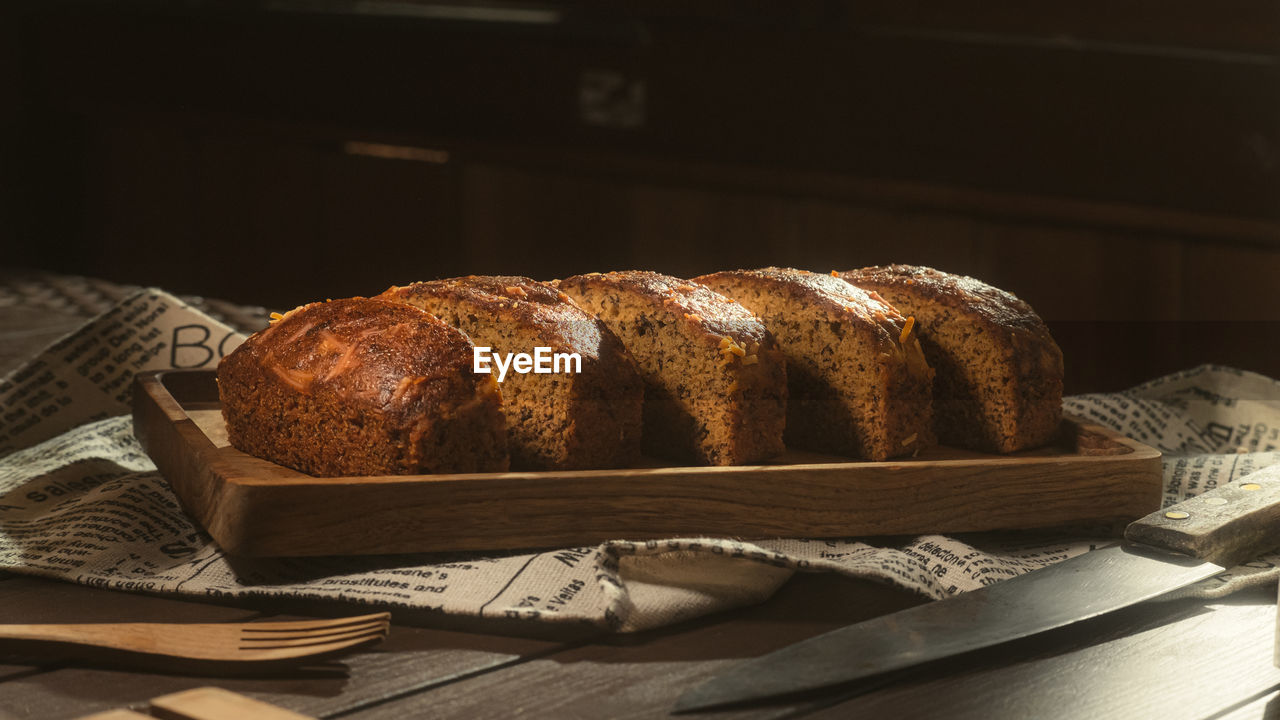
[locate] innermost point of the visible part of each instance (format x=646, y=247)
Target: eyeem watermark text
x=541, y=362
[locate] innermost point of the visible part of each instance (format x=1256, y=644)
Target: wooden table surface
x=1181, y=659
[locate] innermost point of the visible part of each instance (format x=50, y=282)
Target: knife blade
x=1164, y=551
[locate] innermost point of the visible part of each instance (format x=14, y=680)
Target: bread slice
x=581, y=415
x=859, y=385
x=998, y=386
x=715, y=383
x=362, y=387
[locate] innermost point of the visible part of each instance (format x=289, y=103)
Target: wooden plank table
x=1182, y=659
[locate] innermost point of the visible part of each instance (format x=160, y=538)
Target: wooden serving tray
x=255, y=507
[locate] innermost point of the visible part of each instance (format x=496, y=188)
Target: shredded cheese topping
x=297, y=379
x=406, y=382
x=731, y=347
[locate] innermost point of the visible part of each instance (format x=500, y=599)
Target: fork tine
x=296, y=625
x=346, y=639
x=296, y=640
x=295, y=651
x=213, y=642
x=314, y=632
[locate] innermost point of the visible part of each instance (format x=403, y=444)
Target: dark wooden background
x=1117, y=164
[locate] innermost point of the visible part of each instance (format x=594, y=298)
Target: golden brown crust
x=840, y=300
x=581, y=420
x=999, y=309
x=864, y=311
x=563, y=324
x=385, y=372
x=999, y=382
x=706, y=312
x=354, y=348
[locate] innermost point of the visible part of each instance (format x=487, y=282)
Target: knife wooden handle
x=1226, y=525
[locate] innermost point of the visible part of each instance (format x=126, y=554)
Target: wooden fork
x=252, y=642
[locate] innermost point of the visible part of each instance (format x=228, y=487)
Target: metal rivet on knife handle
x=1228, y=524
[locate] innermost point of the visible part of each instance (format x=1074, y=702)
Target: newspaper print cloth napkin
x=80, y=501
